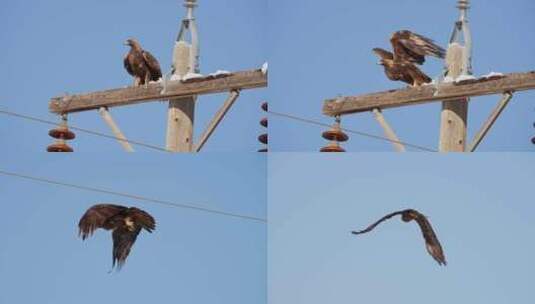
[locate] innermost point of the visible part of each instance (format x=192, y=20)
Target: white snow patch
x=219, y=73
x=464, y=78
x=448, y=79
x=190, y=76
x=265, y=68
x=175, y=77
x=493, y=74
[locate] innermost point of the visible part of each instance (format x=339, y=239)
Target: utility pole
x=454, y=94
x=181, y=111
x=454, y=113
x=182, y=93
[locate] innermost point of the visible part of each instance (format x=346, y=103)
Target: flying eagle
x=141, y=64
x=410, y=49
x=126, y=223
x=431, y=241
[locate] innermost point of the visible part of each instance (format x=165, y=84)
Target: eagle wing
x=142, y=219
x=127, y=65
x=412, y=47
x=372, y=226
x=414, y=73
x=384, y=54
x=123, y=240
x=153, y=65
x=431, y=241
x=96, y=217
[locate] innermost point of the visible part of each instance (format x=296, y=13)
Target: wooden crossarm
x=447, y=91
x=132, y=95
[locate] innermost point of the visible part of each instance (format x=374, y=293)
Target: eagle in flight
x=126, y=223
x=141, y=64
x=410, y=49
x=431, y=241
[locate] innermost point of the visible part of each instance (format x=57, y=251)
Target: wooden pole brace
x=490, y=121
x=218, y=117
x=108, y=119
x=389, y=132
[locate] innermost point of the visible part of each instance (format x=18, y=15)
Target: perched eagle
x=141, y=64
x=125, y=222
x=431, y=242
x=410, y=49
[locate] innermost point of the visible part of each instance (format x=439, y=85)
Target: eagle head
x=131, y=42
x=409, y=215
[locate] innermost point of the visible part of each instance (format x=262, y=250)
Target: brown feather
x=123, y=240
x=141, y=63
x=125, y=222
x=412, y=47
x=432, y=243
x=409, y=49
x=98, y=217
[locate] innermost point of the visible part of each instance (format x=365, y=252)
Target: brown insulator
x=62, y=132
x=263, y=138
x=264, y=122
x=265, y=106
x=335, y=134
x=332, y=147
x=59, y=146
x=264, y=150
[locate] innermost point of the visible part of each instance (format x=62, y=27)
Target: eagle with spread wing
x=126, y=223
x=410, y=49
x=141, y=64
x=431, y=241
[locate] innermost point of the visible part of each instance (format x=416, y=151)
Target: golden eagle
x=431, y=241
x=141, y=64
x=409, y=49
x=126, y=223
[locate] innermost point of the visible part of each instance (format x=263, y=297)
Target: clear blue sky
x=480, y=206
x=192, y=257
x=321, y=49
x=57, y=46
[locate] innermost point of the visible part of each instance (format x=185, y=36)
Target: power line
x=48, y=122
x=133, y=196
x=310, y=121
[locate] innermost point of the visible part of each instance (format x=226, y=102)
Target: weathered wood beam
x=132, y=95
x=447, y=91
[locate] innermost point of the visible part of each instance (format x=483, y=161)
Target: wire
x=48, y=122
x=133, y=196
x=310, y=121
